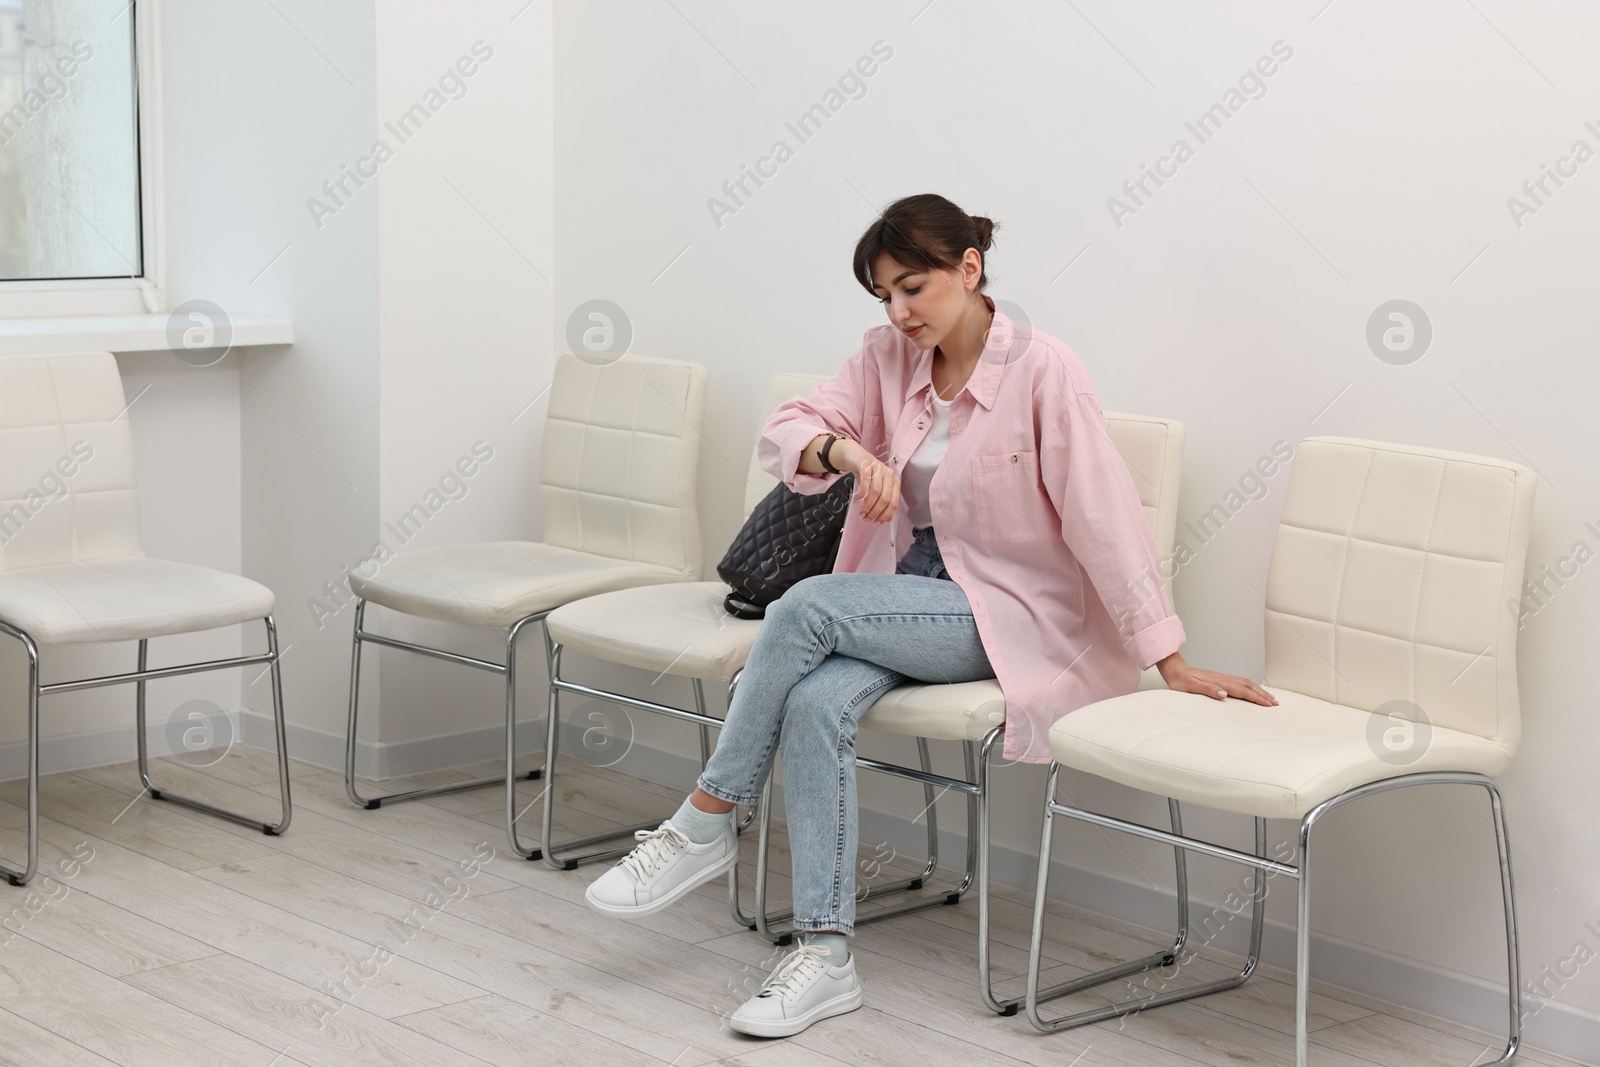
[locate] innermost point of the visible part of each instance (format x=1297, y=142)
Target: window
x=75, y=225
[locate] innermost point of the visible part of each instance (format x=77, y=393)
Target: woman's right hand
x=877, y=485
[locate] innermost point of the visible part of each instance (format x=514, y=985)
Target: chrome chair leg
x=1302, y=948
x=156, y=793
x=25, y=874
x=739, y=917
x=279, y=725
x=1508, y=897
x=969, y=757
x=978, y=862
x=552, y=746
x=511, y=739
x=1166, y=958
x=930, y=808
x=1302, y=999
x=1262, y=866
x=705, y=731
x=699, y=716
x=361, y=636
x=139, y=677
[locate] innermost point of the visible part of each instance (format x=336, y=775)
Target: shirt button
x=919, y=425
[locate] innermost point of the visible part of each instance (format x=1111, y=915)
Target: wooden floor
x=407, y=935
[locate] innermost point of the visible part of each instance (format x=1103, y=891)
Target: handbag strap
x=742, y=609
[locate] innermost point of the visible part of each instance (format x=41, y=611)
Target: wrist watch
x=822, y=453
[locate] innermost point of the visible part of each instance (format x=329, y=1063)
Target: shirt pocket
x=1011, y=502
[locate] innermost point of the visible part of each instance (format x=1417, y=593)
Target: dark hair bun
x=985, y=229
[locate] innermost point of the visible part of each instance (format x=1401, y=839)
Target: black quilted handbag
x=789, y=536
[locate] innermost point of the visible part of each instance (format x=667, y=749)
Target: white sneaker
x=663, y=867
x=800, y=991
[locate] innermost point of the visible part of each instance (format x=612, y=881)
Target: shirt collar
x=984, y=384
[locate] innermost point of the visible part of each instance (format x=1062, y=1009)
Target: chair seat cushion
x=498, y=583
x=125, y=599
x=962, y=711
x=680, y=629
x=1275, y=762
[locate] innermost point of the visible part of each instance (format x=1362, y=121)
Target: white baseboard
x=379, y=760
x=96, y=748
x=1463, y=999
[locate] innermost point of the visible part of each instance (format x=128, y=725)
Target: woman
x=952, y=418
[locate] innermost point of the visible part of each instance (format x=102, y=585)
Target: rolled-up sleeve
x=1102, y=520
x=834, y=406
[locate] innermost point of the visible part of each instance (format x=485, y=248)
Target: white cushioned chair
x=72, y=563
x=974, y=713
x=617, y=481
x=1393, y=658
x=680, y=631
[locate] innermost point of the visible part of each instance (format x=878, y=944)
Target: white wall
x=265, y=105
x=1376, y=166
x=465, y=258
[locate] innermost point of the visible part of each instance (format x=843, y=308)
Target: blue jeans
x=827, y=649
x=923, y=557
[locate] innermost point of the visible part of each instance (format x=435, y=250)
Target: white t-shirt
x=914, y=480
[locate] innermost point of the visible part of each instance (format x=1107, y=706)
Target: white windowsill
x=123, y=333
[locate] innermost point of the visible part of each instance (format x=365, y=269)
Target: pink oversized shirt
x=1037, y=518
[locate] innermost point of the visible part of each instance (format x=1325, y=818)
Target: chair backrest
x=68, y=492
x=1153, y=450
x=1391, y=577
x=621, y=453
x=757, y=482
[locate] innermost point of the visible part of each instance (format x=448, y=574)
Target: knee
x=812, y=594
x=801, y=602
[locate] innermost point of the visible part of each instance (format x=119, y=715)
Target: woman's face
x=926, y=305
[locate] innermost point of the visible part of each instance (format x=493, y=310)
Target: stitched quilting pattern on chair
x=1390, y=578
x=68, y=492
x=615, y=472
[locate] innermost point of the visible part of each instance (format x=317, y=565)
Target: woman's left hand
x=1181, y=677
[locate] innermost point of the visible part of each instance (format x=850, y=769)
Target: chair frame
x=699, y=716
x=140, y=679
x=1262, y=865
x=508, y=669
x=559, y=685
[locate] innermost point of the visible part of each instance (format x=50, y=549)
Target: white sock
x=838, y=946
x=701, y=827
